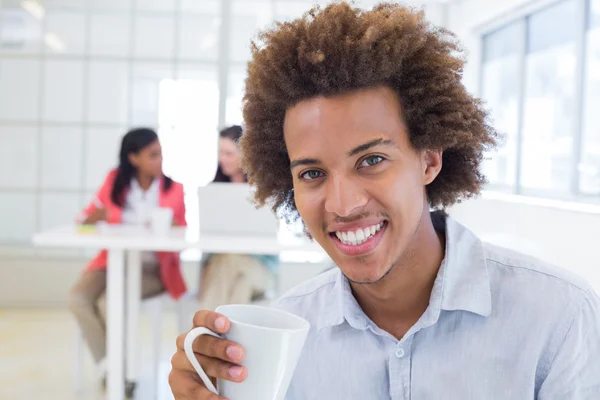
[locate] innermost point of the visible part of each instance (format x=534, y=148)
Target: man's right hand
x=219, y=358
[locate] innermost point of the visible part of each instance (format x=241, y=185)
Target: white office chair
x=153, y=307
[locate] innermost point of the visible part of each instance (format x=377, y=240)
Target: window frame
x=583, y=25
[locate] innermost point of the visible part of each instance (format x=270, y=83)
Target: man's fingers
x=216, y=348
x=222, y=369
x=213, y=367
x=214, y=321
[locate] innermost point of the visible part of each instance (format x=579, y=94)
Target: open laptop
x=227, y=209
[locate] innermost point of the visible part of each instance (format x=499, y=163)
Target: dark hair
x=234, y=133
x=134, y=141
x=340, y=49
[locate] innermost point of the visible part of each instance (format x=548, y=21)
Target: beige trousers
x=87, y=301
x=233, y=279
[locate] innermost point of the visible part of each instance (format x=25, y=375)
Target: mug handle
x=189, y=352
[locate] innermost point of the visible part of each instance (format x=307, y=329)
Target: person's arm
x=574, y=371
x=98, y=214
x=96, y=209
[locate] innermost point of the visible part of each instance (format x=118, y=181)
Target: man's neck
x=397, y=302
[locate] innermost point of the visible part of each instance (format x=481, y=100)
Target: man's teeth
x=359, y=236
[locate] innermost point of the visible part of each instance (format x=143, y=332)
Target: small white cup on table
x=161, y=220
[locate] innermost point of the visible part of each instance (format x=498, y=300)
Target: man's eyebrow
x=371, y=144
x=304, y=161
x=353, y=152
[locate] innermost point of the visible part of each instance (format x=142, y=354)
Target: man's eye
x=310, y=175
x=370, y=161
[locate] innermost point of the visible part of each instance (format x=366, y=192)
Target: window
x=548, y=112
x=589, y=167
x=531, y=78
x=188, y=121
x=187, y=116
x=501, y=64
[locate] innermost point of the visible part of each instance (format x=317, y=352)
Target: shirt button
x=399, y=352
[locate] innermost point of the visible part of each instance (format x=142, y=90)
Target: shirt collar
x=136, y=188
x=334, y=315
x=462, y=283
x=466, y=284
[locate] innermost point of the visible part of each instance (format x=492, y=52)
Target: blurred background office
x=76, y=75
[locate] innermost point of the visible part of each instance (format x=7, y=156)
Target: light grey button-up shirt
x=499, y=325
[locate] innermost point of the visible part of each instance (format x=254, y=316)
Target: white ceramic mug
x=161, y=220
x=273, y=340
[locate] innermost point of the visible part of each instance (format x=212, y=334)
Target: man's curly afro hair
x=338, y=49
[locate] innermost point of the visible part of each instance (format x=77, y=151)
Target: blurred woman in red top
x=128, y=196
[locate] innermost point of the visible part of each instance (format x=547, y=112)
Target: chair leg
x=181, y=307
x=156, y=317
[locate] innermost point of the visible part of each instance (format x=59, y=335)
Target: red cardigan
x=170, y=271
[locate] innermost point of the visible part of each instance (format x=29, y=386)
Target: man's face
x=358, y=182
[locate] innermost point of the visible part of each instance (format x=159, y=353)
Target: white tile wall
x=154, y=36
x=73, y=82
x=204, y=6
x=110, y=34
x=19, y=89
x=63, y=91
x=18, y=215
x=18, y=158
x=102, y=154
x=291, y=10
x=62, y=157
x=58, y=209
x=87, y=198
x=197, y=71
x=198, y=37
x=146, y=79
x=108, y=92
x=120, y=5
x=65, y=4
x=20, y=32
x=155, y=5
x=248, y=17
x=65, y=32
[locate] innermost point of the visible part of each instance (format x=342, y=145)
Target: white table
x=122, y=240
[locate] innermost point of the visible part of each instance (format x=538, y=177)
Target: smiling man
x=358, y=123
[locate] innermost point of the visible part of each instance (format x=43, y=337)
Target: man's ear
x=432, y=165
